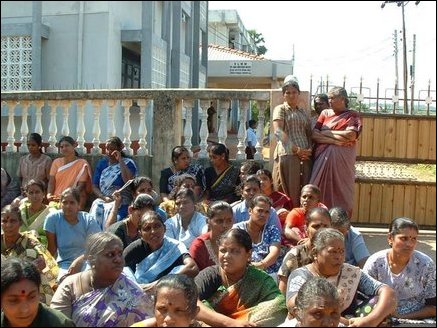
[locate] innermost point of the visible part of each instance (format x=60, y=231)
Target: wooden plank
x=364, y=206
x=378, y=137
x=423, y=139
x=412, y=139
x=355, y=211
x=409, y=201
x=367, y=137
x=390, y=138
x=387, y=203
x=376, y=203
x=432, y=141
x=401, y=138
x=430, y=206
x=420, y=210
x=398, y=200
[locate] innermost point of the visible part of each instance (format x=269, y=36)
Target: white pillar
x=81, y=149
x=188, y=128
x=97, y=104
x=24, y=127
x=111, y=109
x=39, y=104
x=65, y=105
x=241, y=153
x=203, y=133
x=11, y=148
x=126, y=103
x=223, y=128
x=142, y=129
x=260, y=131
x=53, y=128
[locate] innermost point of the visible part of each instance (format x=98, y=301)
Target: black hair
x=183, y=283
x=316, y=210
x=240, y=236
x=250, y=167
x=34, y=182
x=150, y=216
x=252, y=123
x=259, y=199
x=265, y=172
x=73, y=191
x=14, y=270
x=177, y=152
x=71, y=141
x=218, y=206
x=186, y=193
x=37, y=138
x=401, y=223
x=116, y=141
x=138, y=181
x=321, y=96
x=220, y=149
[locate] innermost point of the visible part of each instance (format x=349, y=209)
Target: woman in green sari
x=236, y=294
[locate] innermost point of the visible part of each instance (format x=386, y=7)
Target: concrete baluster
x=53, y=128
x=97, y=105
x=24, y=127
x=142, y=129
x=126, y=103
x=188, y=128
x=241, y=146
x=260, y=131
x=81, y=149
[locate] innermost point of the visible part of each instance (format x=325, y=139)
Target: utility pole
x=395, y=53
x=292, y=62
x=413, y=73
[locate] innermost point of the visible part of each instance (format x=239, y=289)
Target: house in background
x=75, y=45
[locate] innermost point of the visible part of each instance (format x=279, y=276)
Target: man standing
x=251, y=139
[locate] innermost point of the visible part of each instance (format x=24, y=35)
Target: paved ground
x=376, y=239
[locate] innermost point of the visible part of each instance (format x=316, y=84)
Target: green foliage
x=354, y=104
x=259, y=42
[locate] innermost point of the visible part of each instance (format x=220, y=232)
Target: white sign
x=240, y=68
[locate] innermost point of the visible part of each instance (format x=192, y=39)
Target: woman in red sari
x=335, y=134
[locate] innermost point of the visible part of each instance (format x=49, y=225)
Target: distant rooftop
x=216, y=52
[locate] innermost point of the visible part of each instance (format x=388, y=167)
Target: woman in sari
x=111, y=173
x=25, y=245
x=154, y=255
x=204, y=249
x=235, y=293
x=69, y=171
x=102, y=296
x=181, y=163
x=328, y=254
x=33, y=210
x=335, y=134
x=221, y=177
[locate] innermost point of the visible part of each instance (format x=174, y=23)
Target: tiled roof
x=216, y=52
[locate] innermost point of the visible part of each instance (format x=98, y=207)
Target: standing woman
x=409, y=272
x=69, y=171
x=34, y=165
x=292, y=156
x=335, y=134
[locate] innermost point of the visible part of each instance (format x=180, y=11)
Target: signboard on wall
x=240, y=68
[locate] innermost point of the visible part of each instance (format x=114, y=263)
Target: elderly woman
x=111, y=173
x=328, y=253
x=180, y=157
x=204, y=249
x=155, y=255
x=317, y=305
x=336, y=133
x=292, y=156
x=25, y=245
x=187, y=224
x=235, y=293
x=67, y=230
x=175, y=303
x=409, y=272
x=102, y=296
x=221, y=176
x=20, y=291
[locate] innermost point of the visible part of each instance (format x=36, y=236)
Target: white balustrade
x=241, y=146
x=11, y=148
x=24, y=127
x=203, y=133
x=126, y=103
x=65, y=105
x=97, y=104
x=142, y=129
x=81, y=149
x=39, y=105
x=188, y=128
x=260, y=131
x=53, y=128
x=223, y=128
x=112, y=104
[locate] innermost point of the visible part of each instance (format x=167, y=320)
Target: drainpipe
x=80, y=24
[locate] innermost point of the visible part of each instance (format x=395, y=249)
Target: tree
x=258, y=38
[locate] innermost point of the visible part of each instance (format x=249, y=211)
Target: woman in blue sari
x=154, y=255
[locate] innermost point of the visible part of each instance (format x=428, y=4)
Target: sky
x=352, y=39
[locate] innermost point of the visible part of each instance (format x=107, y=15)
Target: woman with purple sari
x=335, y=134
